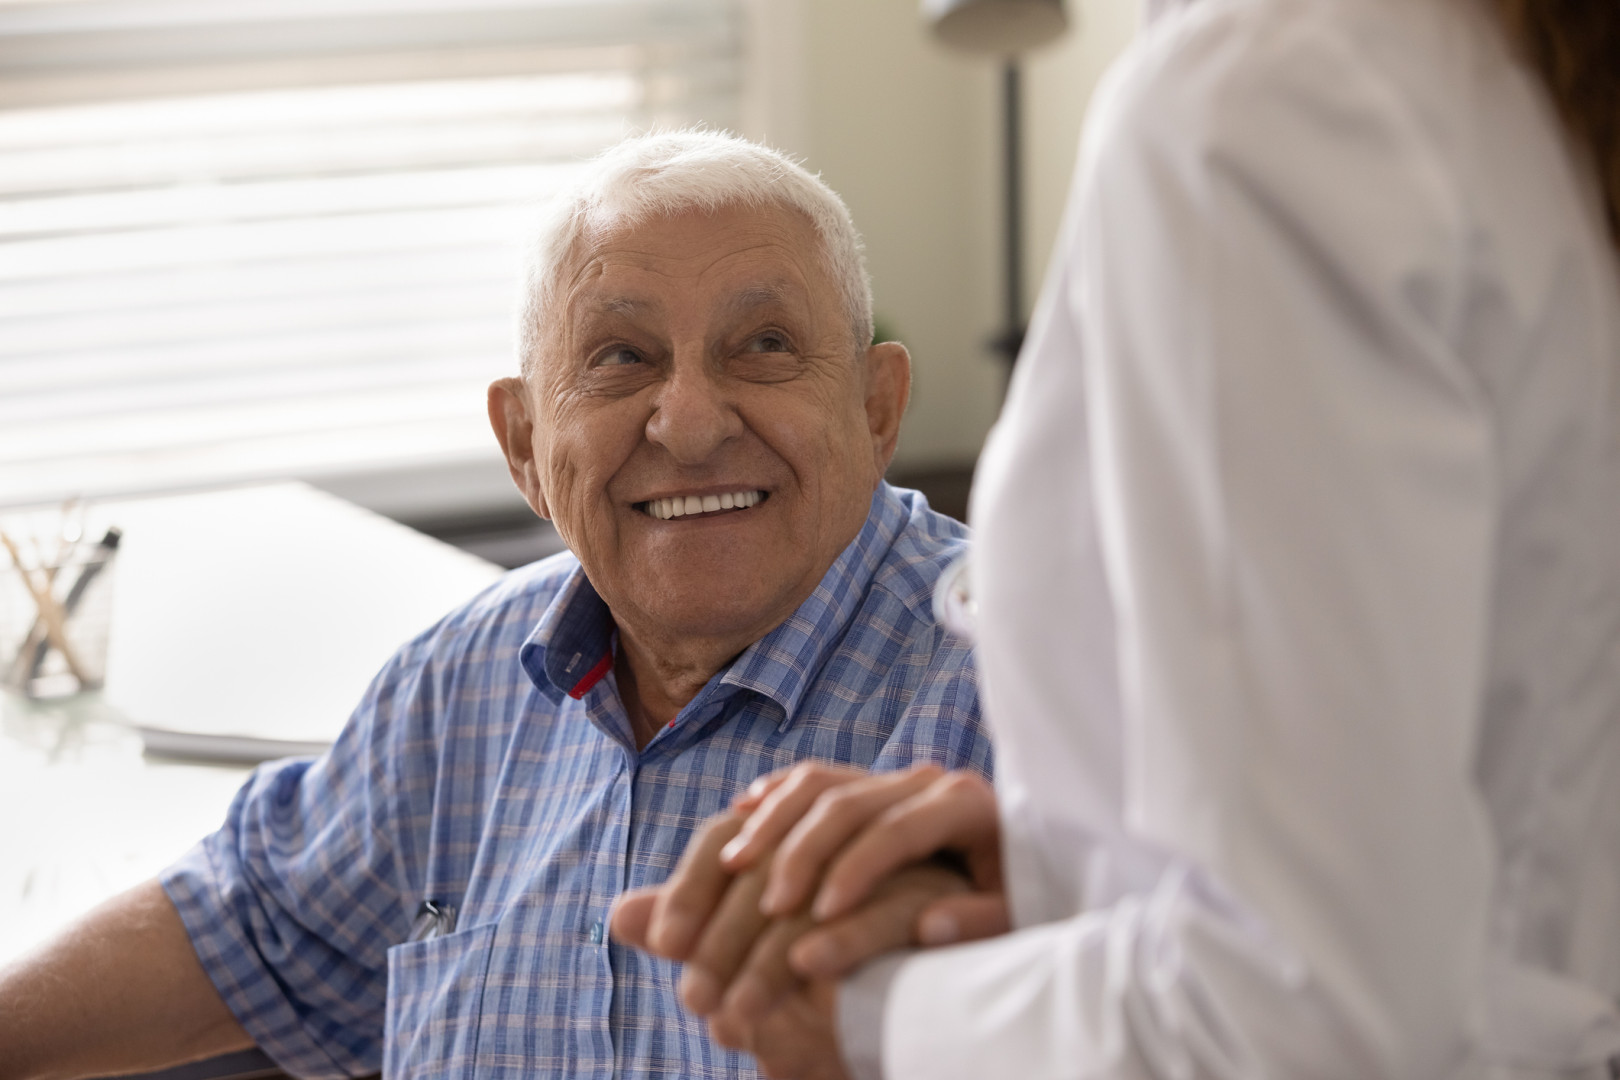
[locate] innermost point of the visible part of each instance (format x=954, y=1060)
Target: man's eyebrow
x=765, y=294
x=617, y=305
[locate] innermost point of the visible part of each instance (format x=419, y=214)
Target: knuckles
x=838, y=806
x=963, y=787
x=816, y=775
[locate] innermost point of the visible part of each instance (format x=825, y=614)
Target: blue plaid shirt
x=524, y=803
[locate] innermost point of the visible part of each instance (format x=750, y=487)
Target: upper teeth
x=680, y=505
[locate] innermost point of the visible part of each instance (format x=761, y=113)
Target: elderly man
x=701, y=414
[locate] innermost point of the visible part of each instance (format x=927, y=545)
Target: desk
x=86, y=815
x=262, y=611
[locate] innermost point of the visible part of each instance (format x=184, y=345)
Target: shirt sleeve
x=292, y=905
x=1294, y=498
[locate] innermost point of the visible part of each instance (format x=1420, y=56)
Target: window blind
x=244, y=239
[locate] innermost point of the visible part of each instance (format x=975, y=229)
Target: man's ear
x=514, y=430
x=888, y=387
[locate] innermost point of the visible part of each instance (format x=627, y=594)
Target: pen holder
x=54, y=620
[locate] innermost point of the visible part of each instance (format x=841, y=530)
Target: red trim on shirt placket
x=592, y=677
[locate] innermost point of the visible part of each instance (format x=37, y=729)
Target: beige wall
x=908, y=133
x=1057, y=87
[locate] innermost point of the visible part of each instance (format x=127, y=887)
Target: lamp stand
x=1011, y=338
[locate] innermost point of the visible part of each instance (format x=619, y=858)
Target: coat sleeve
x=1294, y=497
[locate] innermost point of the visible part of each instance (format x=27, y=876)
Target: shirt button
x=595, y=936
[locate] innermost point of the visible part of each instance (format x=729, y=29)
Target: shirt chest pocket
x=435, y=997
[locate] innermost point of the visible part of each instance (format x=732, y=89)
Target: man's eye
x=769, y=343
x=618, y=356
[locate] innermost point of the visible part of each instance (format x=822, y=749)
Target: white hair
x=665, y=174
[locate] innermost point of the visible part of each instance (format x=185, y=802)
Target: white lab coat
x=1299, y=568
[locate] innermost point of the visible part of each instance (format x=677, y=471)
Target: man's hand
x=797, y=1040
x=667, y=919
x=841, y=833
x=738, y=971
x=761, y=959
x=835, y=833
x=837, y=854
x=714, y=895
x=860, y=842
x=736, y=988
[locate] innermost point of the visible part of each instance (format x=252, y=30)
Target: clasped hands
x=812, y=872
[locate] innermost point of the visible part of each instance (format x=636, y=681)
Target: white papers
x=263, y=613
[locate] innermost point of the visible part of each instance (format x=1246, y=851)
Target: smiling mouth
x=696, y=505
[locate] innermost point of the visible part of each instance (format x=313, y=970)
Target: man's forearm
x=119, y=991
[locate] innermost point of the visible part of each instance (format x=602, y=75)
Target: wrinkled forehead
x=694, y=233
x=731, y=258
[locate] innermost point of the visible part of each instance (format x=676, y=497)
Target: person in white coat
x=1298, y=575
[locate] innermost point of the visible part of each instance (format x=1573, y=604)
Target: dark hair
x=1575, y=46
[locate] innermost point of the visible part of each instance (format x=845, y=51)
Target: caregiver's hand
x=667, y=919
x=711, y=919
x=835, y=848
x=708, y=913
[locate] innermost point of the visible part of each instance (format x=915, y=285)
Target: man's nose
x=692, y=414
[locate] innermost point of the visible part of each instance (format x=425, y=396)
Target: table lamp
x=996, y=27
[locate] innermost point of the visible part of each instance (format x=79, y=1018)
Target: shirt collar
x=782, y=664
x=571, y=648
